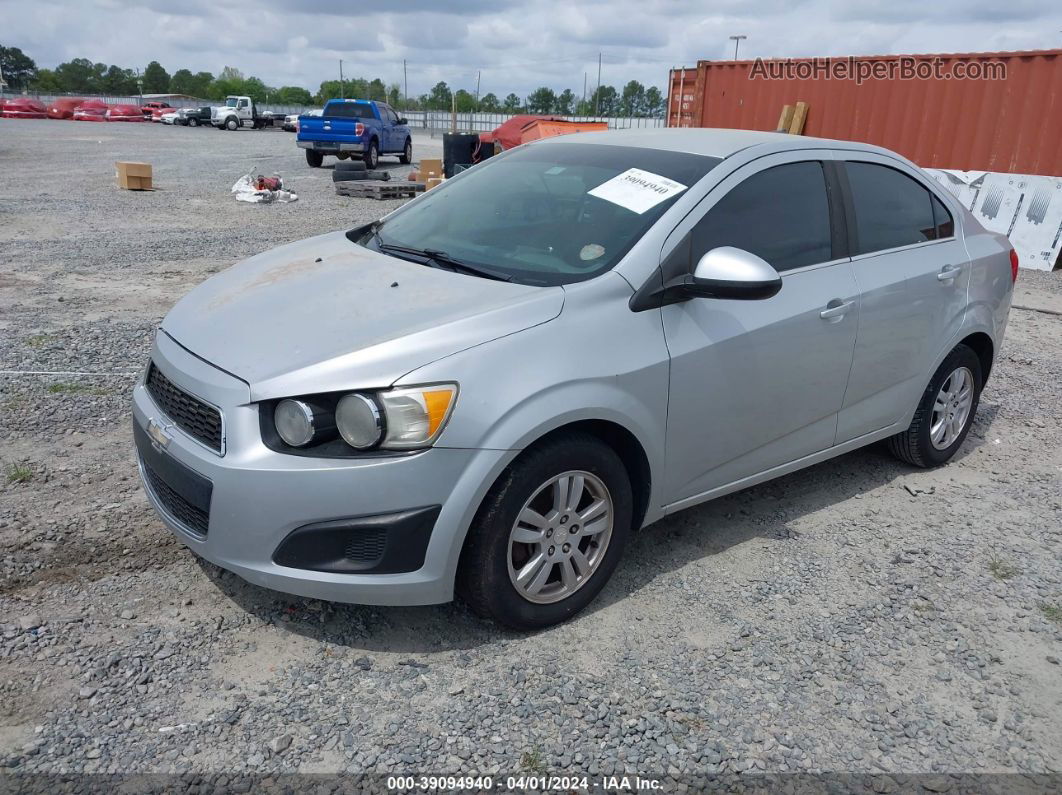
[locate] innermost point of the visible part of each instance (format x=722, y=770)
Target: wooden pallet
x=378, y=189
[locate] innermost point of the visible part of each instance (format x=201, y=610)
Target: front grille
x=367, y=546
x=176, y=505
x=196, y=418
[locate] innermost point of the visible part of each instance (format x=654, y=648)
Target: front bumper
x=258, y=497
x=329, y=146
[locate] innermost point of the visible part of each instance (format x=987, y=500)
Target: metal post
x=597, y=100
x=342, y=91
x=405, y=83
x=737, y=40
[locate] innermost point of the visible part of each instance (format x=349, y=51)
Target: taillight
x=1013, y=266
x=359, y=129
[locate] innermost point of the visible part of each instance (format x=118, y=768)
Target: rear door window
x=891, y=209
x=780, y=214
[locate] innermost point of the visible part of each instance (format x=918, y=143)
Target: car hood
x=325, y=314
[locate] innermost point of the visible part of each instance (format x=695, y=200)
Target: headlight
x=416, y=416
x=359, y=421
x=299, y=422
x=408, y=418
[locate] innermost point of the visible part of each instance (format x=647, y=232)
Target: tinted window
x=349, y=110
x=891, y=209
x=542, y=212
x=942, y=218
x=780, y=214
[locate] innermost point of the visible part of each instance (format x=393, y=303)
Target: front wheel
x=407, y=154
x=372, y=155
x=945, y=412
x=232, y=124
x=549, y=534
x=314, y=159
x=193, y=122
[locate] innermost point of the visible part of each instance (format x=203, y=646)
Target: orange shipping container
x=913, y=104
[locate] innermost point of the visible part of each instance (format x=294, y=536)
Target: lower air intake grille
x=176, y=505
x=367, y=546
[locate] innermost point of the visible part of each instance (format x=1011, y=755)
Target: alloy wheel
x=951, y=409
x=560, y=537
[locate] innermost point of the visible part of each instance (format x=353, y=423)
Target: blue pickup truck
x=354, y=128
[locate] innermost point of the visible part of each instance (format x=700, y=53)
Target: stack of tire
x=349, y=170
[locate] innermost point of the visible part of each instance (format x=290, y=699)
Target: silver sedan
x=487, y=391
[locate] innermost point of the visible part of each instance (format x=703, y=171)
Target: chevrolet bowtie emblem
x=160, y=437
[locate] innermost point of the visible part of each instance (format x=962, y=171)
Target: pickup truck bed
x=354, y=128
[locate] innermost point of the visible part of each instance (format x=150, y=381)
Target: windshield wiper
x=440, y=258
x=443, y=258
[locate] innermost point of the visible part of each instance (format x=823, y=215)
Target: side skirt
x=785, y=469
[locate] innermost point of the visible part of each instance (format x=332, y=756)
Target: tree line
x=82, y=76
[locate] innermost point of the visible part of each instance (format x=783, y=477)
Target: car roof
x=709, y=141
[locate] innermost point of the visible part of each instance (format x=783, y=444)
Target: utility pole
x=584, y=85
x=737, y=40
x=342, y=91
x=478, y=73
x=405, y=83
x=597, y=100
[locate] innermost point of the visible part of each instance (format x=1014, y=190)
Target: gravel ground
x=857, y=617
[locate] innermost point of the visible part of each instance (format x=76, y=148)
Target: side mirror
x=728, y=272
x=403, y=120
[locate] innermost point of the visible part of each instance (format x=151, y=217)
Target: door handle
x=835, y=310
x=948, y=273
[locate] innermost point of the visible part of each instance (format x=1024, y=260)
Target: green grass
x=40, y=340
x=19, y=473
x=66, y=388
x=1052, y=612
x=1002, y=570
x=532, y=762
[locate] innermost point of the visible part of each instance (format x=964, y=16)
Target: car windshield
x=553, y=213
x=230, y=102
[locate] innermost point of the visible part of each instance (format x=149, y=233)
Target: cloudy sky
x=516, y=45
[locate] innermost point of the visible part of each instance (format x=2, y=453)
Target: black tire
x=483, y=574
x=351, y=165
x=314, y=159
x=346, y=175
x=915, y=445
x=192, y=122
x=372, y=154
x=232, y=123
x=407, y=153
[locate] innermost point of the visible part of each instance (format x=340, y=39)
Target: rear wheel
x=549, y=534
x=372, y=154
x=945, y=412
x=314, y=159
x=407, y=154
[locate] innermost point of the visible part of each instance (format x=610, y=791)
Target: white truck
x=239, y=112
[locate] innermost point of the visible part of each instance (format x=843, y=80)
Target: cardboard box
x=430, y=167
x=431, y=182
x=133, y=176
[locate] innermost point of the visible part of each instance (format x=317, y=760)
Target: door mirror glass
x=728, y=272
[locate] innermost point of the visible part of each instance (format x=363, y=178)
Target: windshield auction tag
x=637, y=190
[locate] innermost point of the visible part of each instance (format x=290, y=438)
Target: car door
x=757, y=384
x=388, y=120
x=913, y=275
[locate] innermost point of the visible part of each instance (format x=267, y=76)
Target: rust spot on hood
x=268, y=278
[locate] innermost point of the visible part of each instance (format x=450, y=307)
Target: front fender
x=596, y=361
